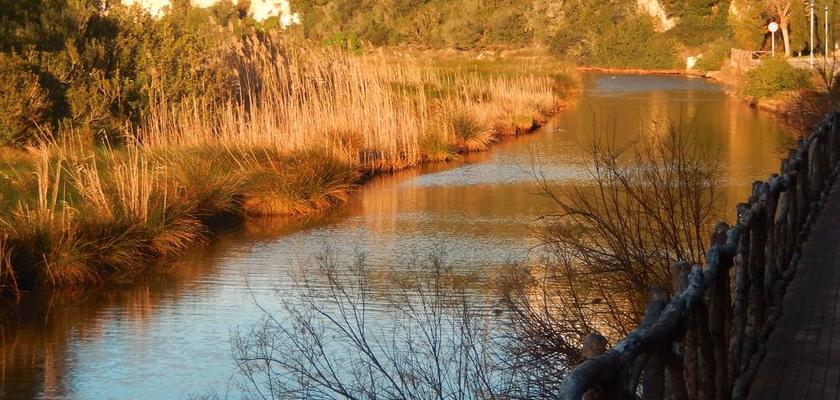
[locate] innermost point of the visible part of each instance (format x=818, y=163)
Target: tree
x=779, y=11
x=799, y=30
x=432, y=341
x=746, y=20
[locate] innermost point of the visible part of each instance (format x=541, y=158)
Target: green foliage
x=700, y=21
x=345, y=41
x=715, y=55
x=463, y=24
x=634, y=43
x=23, y=100
x=748, y=27
x=83, y=69
x=773, y=77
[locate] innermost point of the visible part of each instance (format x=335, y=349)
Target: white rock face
x=655, y=9
x=154, y=7
x=264, y=9
x=260, y=9
x=734, y=10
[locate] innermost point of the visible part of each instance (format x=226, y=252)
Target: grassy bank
x=306, y=126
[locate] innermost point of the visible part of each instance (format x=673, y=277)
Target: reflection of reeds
x=305, y=126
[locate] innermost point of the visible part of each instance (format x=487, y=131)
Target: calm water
x=168, y=337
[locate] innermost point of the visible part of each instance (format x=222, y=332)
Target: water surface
x=168, y=337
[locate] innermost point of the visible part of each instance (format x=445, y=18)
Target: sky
x=260, y=9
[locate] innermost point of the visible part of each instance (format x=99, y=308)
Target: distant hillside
x=645, y=34
x=614, y=33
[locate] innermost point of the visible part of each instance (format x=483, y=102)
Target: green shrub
x=634, y=43
x=23, y=101
x=715, y=55
x=100, y=79
x=774, y=76
x=345, y=41
x=507, y=26
x=463, y=33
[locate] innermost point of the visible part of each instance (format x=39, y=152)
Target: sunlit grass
x=307, y=126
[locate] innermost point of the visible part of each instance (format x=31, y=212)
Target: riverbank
x=800, y=108
x=78, y=215
x=639, y=71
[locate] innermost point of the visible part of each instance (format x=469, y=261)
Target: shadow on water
x=167, y=336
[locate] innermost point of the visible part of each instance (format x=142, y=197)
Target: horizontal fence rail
x=707, y=340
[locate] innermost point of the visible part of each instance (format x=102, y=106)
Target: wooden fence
x=707, y=340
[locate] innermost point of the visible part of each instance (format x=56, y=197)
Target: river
x=168, y=337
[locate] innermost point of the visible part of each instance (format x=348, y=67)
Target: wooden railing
x=707, y=340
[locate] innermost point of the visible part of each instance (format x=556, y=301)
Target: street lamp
x=825, y=46
x=812, y=34
x=773, y=27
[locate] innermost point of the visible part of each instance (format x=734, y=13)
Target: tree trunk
x=781, y=8
x=785, y=35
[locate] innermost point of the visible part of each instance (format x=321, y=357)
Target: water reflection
x=167, y=337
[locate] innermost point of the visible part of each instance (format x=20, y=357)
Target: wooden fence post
x=719, y=306
x=740, y=290
x=594, y=345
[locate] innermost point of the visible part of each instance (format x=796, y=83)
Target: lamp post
x=812, y=34
x=773, y=27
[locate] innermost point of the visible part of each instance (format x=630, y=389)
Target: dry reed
x=305, y=125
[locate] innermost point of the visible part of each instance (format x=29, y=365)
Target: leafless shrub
x=611, y=241
x=431, y=343
x=808, y=107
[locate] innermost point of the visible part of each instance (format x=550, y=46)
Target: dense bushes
x=774, y=76
x=634, y=43
x=715, y=54
x=613, y=33
x=463, y=24
x=79, y=68
x=23, y=100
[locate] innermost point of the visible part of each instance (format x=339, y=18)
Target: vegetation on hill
x=618, y=33
x=612, y=33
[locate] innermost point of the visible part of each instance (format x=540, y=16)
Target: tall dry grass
x=360, y=109
x=304, y=126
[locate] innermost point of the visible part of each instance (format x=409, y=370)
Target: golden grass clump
x=466, y=130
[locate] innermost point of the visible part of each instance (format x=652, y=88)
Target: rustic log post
x=815, y=177
x=772, y=271
x=834, y=122
x=757, y=303
x=740, y=290
x=719, y=306
x=803, y=203
x=796, y=212
x=594, y=345
x=654, y=369
x=782, y=233
x=654, y=379
x=679, y=282
x=674, y=376
x=831, y=134
x=705, y=354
